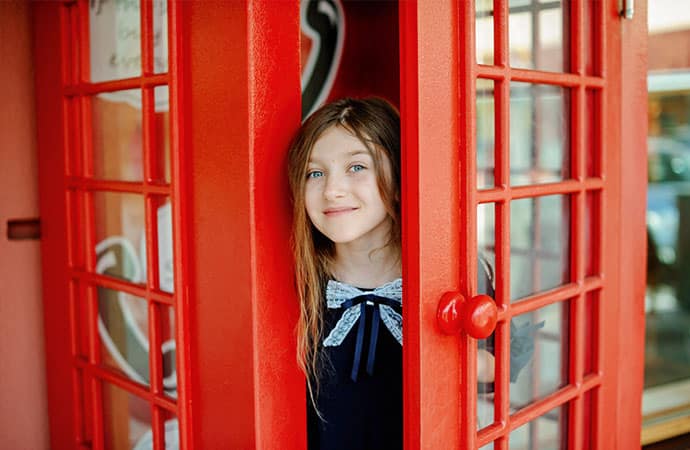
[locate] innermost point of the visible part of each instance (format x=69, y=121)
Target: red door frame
x=231, y=118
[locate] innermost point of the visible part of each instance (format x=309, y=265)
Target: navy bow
x=363, y=300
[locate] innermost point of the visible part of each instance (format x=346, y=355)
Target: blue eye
x=314, y=174
x=357, y=167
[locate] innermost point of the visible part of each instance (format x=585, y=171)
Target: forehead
x=337, y=143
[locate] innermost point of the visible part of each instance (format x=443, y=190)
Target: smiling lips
x=332, y=212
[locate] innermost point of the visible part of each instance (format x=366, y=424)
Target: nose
x=335, y=187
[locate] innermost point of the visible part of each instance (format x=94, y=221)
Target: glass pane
x=161, y=135
x=539, y=244
x=160, y=36
x=536, y=35
x=592, y=335
x=163, y=219
x=171, y=430
x=169, y=349
x=547, y=432
x=485, y=133
x=592, y=137
x=114, y=39
x=592, y=233
x=539, y=133
x=123, y=327
x=120, y=235
x=668, y=257
x=538, y=354
x=126, y=418
x=484, y=27
x=117, y=135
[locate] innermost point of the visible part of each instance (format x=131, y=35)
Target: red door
x=514, y=159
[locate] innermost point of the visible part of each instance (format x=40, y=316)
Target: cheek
x=310, y=200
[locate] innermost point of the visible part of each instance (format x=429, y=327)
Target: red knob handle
x=477, y=316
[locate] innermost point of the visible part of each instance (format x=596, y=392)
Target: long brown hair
x=376, y=123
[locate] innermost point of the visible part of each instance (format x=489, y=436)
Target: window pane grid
x=564, y=397
x=105, y=281
x=81, y=187
x=106, y=374
x=579, y=191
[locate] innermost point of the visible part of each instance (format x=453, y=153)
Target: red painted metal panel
x=429, y=89
x=632, y=189
x=239, y=69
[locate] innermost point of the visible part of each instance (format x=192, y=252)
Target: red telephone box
x=215, y=88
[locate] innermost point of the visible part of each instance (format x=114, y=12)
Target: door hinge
x=628, y=9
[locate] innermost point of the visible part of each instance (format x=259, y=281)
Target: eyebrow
x=350, y=154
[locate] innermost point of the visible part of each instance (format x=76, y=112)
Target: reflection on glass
x=126, y=418
x=538, y=354
x=547, y=432
x=123, y=324
x=667, y=304
x=539, y=244
x=120, y=236
x=171, y=435
x=160, y=36
x=161, y=135
x=114, y=39
x=168, y=350
x=117, y=135
x=539, y=133
x=123, y=329
x=668, y=258
x=485, y=133
x=536, y=35
x=484, y=29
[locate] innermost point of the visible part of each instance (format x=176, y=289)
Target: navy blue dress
x=365, y=414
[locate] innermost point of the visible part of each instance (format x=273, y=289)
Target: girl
x=344, y=171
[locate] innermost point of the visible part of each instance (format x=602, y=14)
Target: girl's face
x=342, y=197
